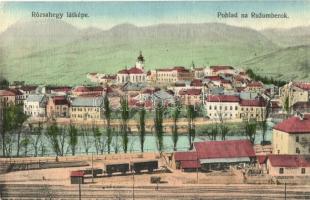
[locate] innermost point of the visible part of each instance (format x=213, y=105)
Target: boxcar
x=116, y=167
x=97, y=171
x=139, y=166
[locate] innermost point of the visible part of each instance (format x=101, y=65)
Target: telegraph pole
x=80, y=193
x=284, y=191
x=133, y=185
x=197, y=165
x=92, y=166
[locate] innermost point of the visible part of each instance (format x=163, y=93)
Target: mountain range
x=55, y=52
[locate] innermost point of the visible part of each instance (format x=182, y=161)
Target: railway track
x=189, y=192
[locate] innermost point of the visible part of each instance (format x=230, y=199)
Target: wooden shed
x=77, y=177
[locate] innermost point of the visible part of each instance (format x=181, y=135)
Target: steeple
x=140, y=61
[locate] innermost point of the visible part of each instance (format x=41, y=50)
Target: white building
x=135, y=74
x=222, y=106
x=35, y=105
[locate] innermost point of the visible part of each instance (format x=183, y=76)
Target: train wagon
x=88, y=171
x=116, y=167
x=139, y=166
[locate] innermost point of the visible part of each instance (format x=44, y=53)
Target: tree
x=250, y=130
x=158, y=122
x=191, y=115
x=36, y=132
x=286, y=105
x=263, y=123
x=4, y=83
x=214, y=132
x=73, y=138
x=124, y=127
x=224, y=131
x=142, y=128
x=175, y=116
x=86, y=139
x=52, y=133
x=107, y=114
x=97, y=138
x=13, y=120
x=25, y=143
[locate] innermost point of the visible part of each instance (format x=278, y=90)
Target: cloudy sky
x=105, y=15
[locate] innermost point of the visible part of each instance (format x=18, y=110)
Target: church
x=135, y=74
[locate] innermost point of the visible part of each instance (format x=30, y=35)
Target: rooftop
x=87, y=101
x=224, y=149
x=289, y=160
x=294, y=125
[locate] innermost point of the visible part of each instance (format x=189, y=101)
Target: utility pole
x=284, y=191
x=80, y=196
x=92, y=166
x=197, y=166
x=133, y=185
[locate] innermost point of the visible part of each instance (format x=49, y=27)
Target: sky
x=105, y=15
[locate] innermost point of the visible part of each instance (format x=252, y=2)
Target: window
x=303, y=170
x=281, y=171
x=297, y=150
x=297, y=138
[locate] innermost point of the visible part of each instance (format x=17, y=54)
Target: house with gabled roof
x=292, y=135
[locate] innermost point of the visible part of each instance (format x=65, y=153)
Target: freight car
x=138, y=166
x=96, y=171
x=116, y=167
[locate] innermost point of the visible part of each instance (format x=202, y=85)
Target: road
x=186, y=192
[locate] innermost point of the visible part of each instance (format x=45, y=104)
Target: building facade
x=292, y=136
x=35, y=105
x=222, y=107
x=86, y=109
x=57, y=107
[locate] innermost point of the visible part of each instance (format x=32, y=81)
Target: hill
x=108, y=51
x=289, y=37
x=290, y=63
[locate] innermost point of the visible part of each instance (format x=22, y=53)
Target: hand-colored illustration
x=155, y=100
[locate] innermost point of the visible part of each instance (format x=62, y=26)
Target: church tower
x=140, y=61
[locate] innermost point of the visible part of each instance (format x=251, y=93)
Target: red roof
x=77, y=174
x=294, y=125
x=224, y=149
x=303, y=86
x=60, y=100
x=186, y=155
x=223, y=98
x=196, y=83
x=133, y=70
x=253, y=102
x=261, y=159
x=7, y=93
x=219, y=68
x=190, y=164
x=190, y=92
x=15, y=91
x=289, y=160
x=255, y=84
x=213, y=78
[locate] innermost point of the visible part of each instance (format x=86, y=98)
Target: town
x=205, y=105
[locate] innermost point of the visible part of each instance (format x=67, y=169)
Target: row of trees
x=60, y=136
x=264, y=79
